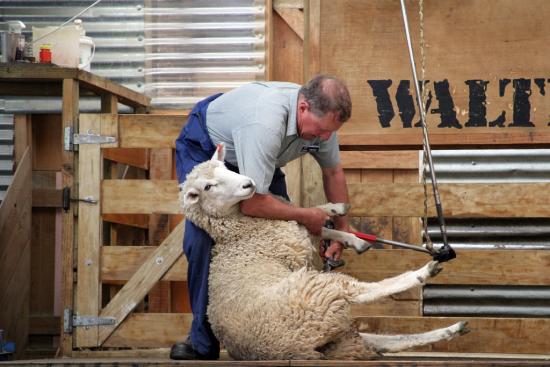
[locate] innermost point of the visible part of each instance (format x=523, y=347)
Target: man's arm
x=267, y=206
x=336, y=191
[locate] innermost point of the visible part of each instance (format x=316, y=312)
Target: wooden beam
x=149, y=131
x=69, y=119
x=47, y=198
x=156, y=265
x=380, y=159
x=119, y=263
x=482, y=267
x=44, y=325
x=133, y=220
x=132, y=156
x=288, y=4
x=312, y=38
x=374, y=199
x=140, y=196
x=294, y=18
x=151, y=330
x=488, y=335
x=356, y=139
x=88, y=293
x=23, y=135
x=49, y=72
x=468, y=200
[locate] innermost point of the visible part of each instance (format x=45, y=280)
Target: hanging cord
x=426, y=234
x=67, y=22
x=427, y=149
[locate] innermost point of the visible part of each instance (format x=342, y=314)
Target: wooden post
x=69, y=118
x=89, y=233
x=159, y=226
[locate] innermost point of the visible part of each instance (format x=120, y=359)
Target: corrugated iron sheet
x=176, y=52
x=490, y=301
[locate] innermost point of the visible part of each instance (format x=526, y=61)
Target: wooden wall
x=15, y=256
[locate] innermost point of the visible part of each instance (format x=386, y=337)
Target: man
x=264, y=125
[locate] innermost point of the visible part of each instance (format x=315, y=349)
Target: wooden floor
x=416, y=360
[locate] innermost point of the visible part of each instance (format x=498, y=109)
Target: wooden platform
x=409, y=359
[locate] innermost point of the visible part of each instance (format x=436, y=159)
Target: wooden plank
x=44, y=325
x=372, y=64
x=289, y=4
x=312, y=183
x=133, y=220
x=380, y=159
x=372, y=199
x=159, y=226
x=89, y=234
x=294, y=18
x=109, y=103
x=151, y=330
x=149, y=131
x=119, y=263
x=47, y=198
x=480, y=139
x=160, y=196
x=459, y=200
x=50, y=72
x=482, y=267
x=131, y=156
x=269, y=55
x=46, y=134
x=15, y=257
x=147, y=275
x=23, y=135
x=488, y=335
x=312, y=38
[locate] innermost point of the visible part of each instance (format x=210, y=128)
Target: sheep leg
x=346, y=239
x=397, y=343
x=363, y=292
x=335, y=209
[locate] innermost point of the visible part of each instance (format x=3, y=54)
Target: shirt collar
x=291, y=125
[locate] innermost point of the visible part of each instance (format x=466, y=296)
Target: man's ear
x=191, y=196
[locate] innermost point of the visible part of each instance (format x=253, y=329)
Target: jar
x=45, y=54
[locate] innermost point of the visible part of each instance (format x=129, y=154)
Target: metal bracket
x=91, y=138
x=68, y=138
x=71, y=321
x=67, y=199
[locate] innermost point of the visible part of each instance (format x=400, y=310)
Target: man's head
x=324, y=104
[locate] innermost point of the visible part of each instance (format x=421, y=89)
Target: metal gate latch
x=91, y=138
x=71, y=321
x=70, y=139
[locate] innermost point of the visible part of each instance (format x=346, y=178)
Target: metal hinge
x=70, y=139
x=71, y=321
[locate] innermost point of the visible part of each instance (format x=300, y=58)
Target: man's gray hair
x=326, y=93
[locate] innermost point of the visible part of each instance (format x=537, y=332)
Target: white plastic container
x=87, y=51
x=65, y=44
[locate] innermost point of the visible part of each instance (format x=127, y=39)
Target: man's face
x=311, y=126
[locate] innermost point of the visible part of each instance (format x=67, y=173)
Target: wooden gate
x=139, y=268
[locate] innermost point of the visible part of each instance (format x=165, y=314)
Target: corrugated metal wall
x=174, y=51
x=491, y=166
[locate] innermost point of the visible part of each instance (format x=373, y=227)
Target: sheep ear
x=191, y=196
x=219, y=154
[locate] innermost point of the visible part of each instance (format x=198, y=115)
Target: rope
x=425, y=166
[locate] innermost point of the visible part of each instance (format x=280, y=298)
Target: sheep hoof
x=362, y=247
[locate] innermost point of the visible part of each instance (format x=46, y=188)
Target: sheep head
x=213, y=190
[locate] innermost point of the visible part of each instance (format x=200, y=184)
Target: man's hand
x=314, y=220
x=334, y=251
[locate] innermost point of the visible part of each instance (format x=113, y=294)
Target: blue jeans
x=194, y=146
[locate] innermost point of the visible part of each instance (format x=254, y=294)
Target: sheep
x=266, y=299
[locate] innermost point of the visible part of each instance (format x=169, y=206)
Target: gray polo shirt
x=257, y=124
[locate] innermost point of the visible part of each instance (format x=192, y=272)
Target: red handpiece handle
x=366, y=237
